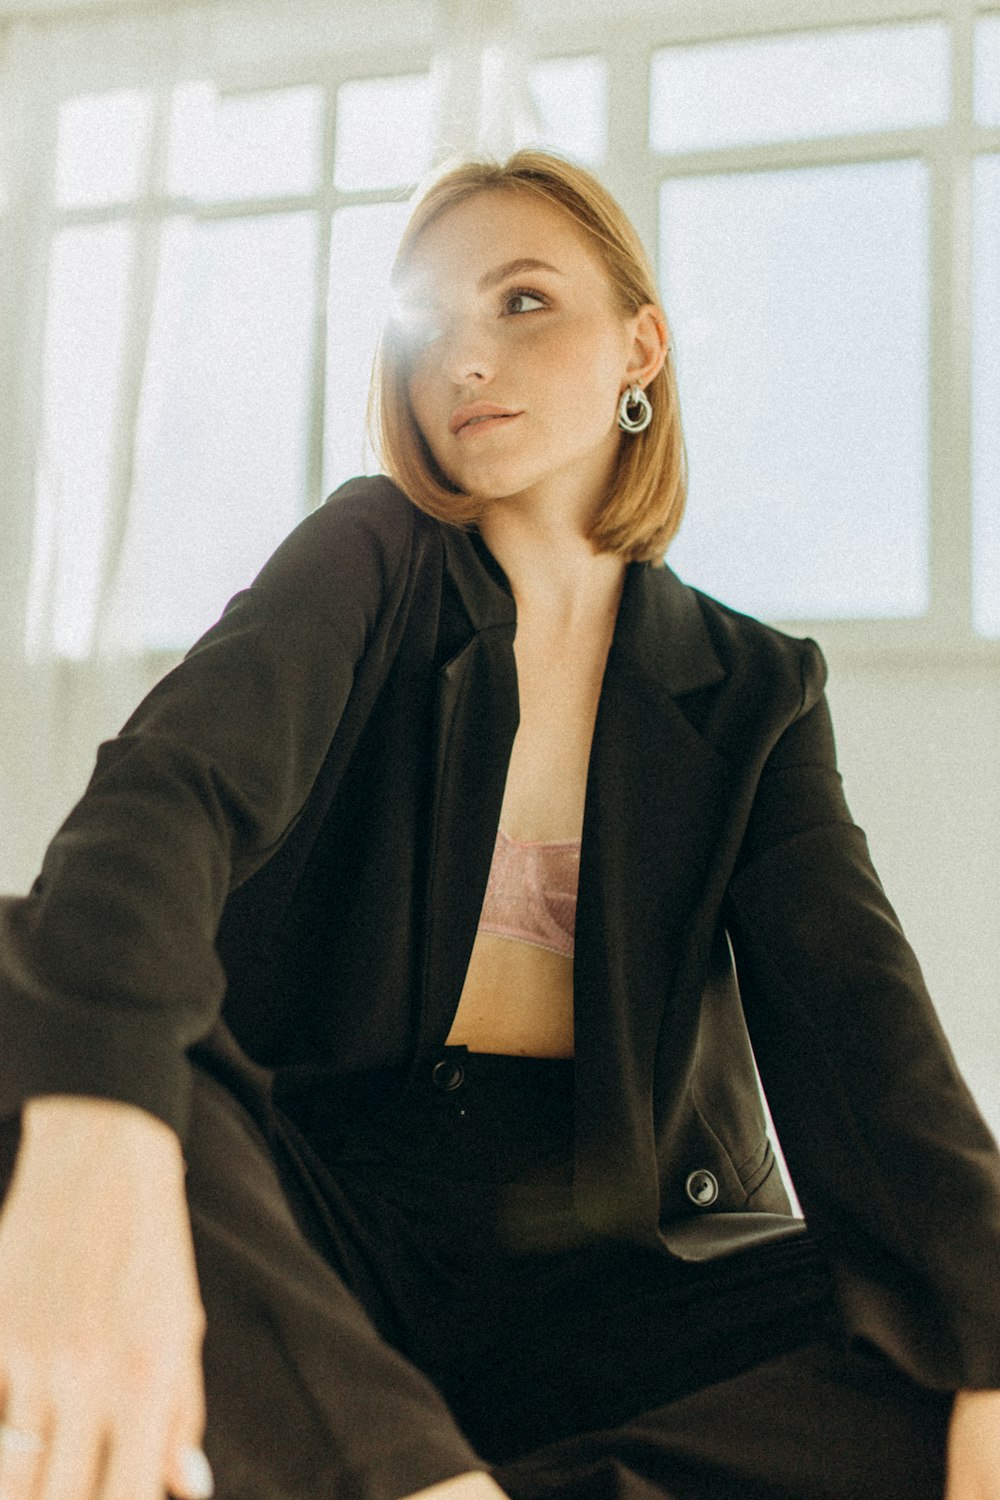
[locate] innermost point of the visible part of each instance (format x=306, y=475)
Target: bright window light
x=800, y=306
x=221, y=472
x=986, y=77
x=102, y=148
x=227, y=147
x=784, y=88
x=84, y=342
x=383, y=137
x=570, y=96
x=986, y=397
x=362, y=246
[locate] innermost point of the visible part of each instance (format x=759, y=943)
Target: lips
x=478, y=412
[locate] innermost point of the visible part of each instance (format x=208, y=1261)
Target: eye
x=515, y=302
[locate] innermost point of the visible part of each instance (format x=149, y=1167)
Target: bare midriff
x=517, y=999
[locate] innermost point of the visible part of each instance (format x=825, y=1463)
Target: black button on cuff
x=447, y=1075
x=702, y=1188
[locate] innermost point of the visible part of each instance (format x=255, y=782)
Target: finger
x=74, y=1454
x=23, y=1435
x=189, y=1474
x=134, y=1461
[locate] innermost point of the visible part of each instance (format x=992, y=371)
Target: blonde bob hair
x=644, y=507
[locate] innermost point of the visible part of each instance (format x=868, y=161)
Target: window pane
x=238, y=146
x=986, y=397
x=799, y=301
x=570, y=95
x=840, y=82
x=223, y=435
x=987, y=70
x=363, y=243
x=102, y=148
x=383, y=132
x=84, y=336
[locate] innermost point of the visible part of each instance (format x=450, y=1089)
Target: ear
x=650, y=340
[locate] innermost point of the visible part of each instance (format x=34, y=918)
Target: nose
x=469, y=354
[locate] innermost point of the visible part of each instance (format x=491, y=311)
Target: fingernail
x=196, y=1472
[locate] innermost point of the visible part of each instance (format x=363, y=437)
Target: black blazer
x=297, y=824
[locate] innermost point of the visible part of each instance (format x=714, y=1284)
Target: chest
x=559, y=680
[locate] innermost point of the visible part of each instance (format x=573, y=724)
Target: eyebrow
x=513, y=268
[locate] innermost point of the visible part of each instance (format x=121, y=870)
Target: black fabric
x=289, y=842
x=413, y=1297
x=305, y=1398
x=816, y=1423
x=452, y=1206
x=416, y=1299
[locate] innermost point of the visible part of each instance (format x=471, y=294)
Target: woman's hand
x=101, y=1322
x=974, y=1447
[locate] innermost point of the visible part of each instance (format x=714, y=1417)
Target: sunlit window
x=800, y=306
x=224, y=418
x=785, y=88
x=87, y=307
x=570, y=96
x=986, y=70
x=986, y=397
x=362, y=246
x=102, y=148
x=383, y=132
x=246, y=145
x=218, y=264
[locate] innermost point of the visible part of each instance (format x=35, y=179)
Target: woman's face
x=518, y=355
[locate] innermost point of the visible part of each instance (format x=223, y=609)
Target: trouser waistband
x=470, y=1116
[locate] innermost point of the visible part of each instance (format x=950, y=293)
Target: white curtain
x=73, y=658
x=68, y=673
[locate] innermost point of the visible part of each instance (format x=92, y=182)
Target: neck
x=552, y=569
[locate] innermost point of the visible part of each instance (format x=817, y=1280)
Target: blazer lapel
x=656, y=799
x=475, y=720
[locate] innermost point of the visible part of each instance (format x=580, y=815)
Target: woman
x=481, y=1195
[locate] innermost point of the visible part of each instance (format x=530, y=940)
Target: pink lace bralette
x=531, y=892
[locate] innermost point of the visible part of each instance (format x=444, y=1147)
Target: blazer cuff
x=46, y=1051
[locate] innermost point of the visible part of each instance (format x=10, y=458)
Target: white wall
x=920, y=753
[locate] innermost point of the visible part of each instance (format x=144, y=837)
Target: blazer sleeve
x=108, y=969
x=891, y=1160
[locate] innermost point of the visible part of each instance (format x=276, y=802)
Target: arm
x=108, y=969
x=100, y=1318
x=974, y=1447
x=108, y=972
x=892, y=1162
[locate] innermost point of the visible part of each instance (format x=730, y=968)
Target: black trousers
x=397, y=1292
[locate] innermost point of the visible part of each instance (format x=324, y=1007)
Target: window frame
x=944, y=635
x=634, y=173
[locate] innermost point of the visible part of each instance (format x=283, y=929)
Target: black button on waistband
x=447, y=1075
x=702, y=1188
